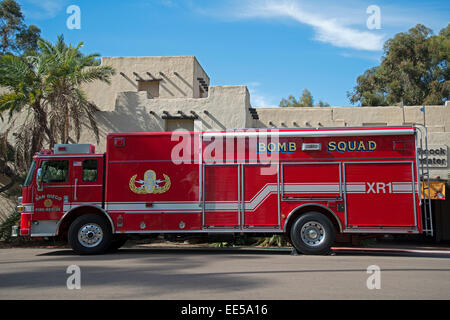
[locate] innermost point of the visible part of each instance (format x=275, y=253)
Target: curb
x=34, y=247
x=334, y=249
x=391, y=250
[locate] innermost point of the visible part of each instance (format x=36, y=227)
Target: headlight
x=20, y=209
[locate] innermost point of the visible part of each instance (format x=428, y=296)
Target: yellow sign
x=280, y=147
x=351, y=146
x=437, y=189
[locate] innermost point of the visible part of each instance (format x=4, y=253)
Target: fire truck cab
x=308, y=184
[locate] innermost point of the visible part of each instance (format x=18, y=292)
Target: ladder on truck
x=424, y=180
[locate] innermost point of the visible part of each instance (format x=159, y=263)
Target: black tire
x=90, y=234
x=313, y=234
x=117, y=242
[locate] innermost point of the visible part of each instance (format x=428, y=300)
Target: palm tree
x=46, y=87
x=25, y=81
x=69, y=69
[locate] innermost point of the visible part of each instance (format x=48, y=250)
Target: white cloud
x=257, y=99
x=336, y=27
x=44, y=9
x=328, y=30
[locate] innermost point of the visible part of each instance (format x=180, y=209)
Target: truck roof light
x=74, y=148
x=46, y=151
x=399, y=145
x=119, y=142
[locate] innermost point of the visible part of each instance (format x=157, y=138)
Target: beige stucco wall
x=199, y=73
x=6, y=207
x=178, y=78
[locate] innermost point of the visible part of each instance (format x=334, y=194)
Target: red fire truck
x=309, y=184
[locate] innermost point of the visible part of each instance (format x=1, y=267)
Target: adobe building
x=169, y=93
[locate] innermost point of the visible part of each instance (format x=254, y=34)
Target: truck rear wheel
x=312, y=233
x=90, y=234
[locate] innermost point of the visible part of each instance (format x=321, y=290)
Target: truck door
x=87, y=174
x=52, y=195
x=221, y=196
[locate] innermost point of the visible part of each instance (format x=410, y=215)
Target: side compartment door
x=260, y=197
x=380, y=194
x=221, y=196
x=311, y=180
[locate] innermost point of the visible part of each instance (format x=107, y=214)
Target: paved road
x=161, y=273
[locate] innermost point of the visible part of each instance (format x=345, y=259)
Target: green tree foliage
x=322, y=104
x=16, y=37
x=414, y=71
x=46, y=87
x=306, y=100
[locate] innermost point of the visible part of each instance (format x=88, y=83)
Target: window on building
x=151, y=87
x=174, y=124
x=90, y=170
x=55, y=171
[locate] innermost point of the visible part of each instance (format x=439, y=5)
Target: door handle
x=75, y=190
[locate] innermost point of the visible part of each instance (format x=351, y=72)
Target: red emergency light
x=399, y=145
x=119, y=142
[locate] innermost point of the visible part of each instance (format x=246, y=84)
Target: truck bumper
x=15, y=231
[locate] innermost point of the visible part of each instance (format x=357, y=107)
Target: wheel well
x=308, y=208
x=77, y=212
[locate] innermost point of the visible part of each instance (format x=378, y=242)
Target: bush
x=6, y=227
x=276, y=240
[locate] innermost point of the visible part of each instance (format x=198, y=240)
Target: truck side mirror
x=39, y=179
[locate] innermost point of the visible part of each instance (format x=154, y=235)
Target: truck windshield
x=30, y=174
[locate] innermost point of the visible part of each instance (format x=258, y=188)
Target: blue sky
x=275, y=47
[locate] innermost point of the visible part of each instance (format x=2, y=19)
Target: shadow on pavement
x=256, y=252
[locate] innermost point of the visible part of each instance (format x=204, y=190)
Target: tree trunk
x=41, y=116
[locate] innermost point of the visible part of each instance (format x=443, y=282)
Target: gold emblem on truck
x=150, y=184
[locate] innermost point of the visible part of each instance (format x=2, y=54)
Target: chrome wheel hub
x=90, y=235
x=313, y=233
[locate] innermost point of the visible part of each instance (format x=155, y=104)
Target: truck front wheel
x=312, y=233
x=90, y=234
